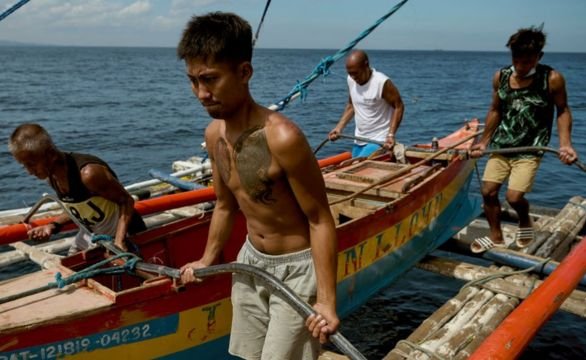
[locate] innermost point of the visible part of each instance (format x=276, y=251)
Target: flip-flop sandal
x=481, y=244
x=484, y=243
x=524, y=237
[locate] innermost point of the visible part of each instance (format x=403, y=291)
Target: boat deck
x=402, y=178
x=50, y=305
x=388, y=181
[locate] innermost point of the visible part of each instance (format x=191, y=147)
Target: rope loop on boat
x=95, y=270
x=324, y=65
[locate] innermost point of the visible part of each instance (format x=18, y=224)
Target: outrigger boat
x=388, y=215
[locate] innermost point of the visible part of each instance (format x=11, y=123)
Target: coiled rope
x=323, y=68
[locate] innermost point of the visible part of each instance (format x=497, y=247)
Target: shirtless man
x=262, y=164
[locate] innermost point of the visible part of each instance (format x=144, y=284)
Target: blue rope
x=323, y=68
x=102, y=237
x=94, y=270
x=12, y=9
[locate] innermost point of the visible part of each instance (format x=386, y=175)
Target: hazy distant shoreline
x=7, y=43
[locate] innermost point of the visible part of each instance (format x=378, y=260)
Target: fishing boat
x=388, y=216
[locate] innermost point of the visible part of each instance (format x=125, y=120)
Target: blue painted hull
x=359, y=288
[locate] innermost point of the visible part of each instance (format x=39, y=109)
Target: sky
x=473, y=25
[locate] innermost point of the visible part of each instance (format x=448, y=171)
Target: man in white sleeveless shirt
x=375, y=104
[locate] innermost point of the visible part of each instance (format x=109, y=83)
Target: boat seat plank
x=47, y=306
x=423, y=154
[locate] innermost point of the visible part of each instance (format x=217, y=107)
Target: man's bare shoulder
x=213, y=129
x=213, y=132
x=556, y=81
x=91, y=170
x=287, y=143
x=282, y=131
x=96, y=176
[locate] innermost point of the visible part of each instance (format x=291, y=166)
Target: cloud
x=180, y=7
x=82, y=14
x=180, y=10
x=137, y=8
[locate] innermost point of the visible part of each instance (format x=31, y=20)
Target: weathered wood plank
x=434, y=322
x=566, y=224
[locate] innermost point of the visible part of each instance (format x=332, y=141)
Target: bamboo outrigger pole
x=517, y=330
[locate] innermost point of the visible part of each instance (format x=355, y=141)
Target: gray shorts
x=264, y=326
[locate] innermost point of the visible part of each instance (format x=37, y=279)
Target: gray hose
x=537, y=149
x=286, y=293
x=270, y=280
x=275, y=284
x=512, y=150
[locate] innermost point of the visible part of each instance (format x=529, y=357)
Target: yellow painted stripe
x=367, y=252
x=196, y=326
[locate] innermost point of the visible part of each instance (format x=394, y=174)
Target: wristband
x=391, y=135
x=56, y=227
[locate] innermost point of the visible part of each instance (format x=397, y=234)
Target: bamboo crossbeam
x=461, y=325
x=20, y=253
x=44, y=259
x=575, y=303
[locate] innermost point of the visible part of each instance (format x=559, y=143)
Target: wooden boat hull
x=397, y=240
x=125, y=317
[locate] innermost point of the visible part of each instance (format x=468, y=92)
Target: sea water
x=134, y=108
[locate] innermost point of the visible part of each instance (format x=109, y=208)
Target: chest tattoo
x=222, y=158
x=253, y=158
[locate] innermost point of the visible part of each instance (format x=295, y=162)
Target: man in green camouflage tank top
x=524, y=98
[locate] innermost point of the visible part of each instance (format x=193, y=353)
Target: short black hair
x=527, y=41
x=216, y=36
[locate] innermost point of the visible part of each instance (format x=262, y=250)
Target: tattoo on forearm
x=253, y=158
x=222, y=157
